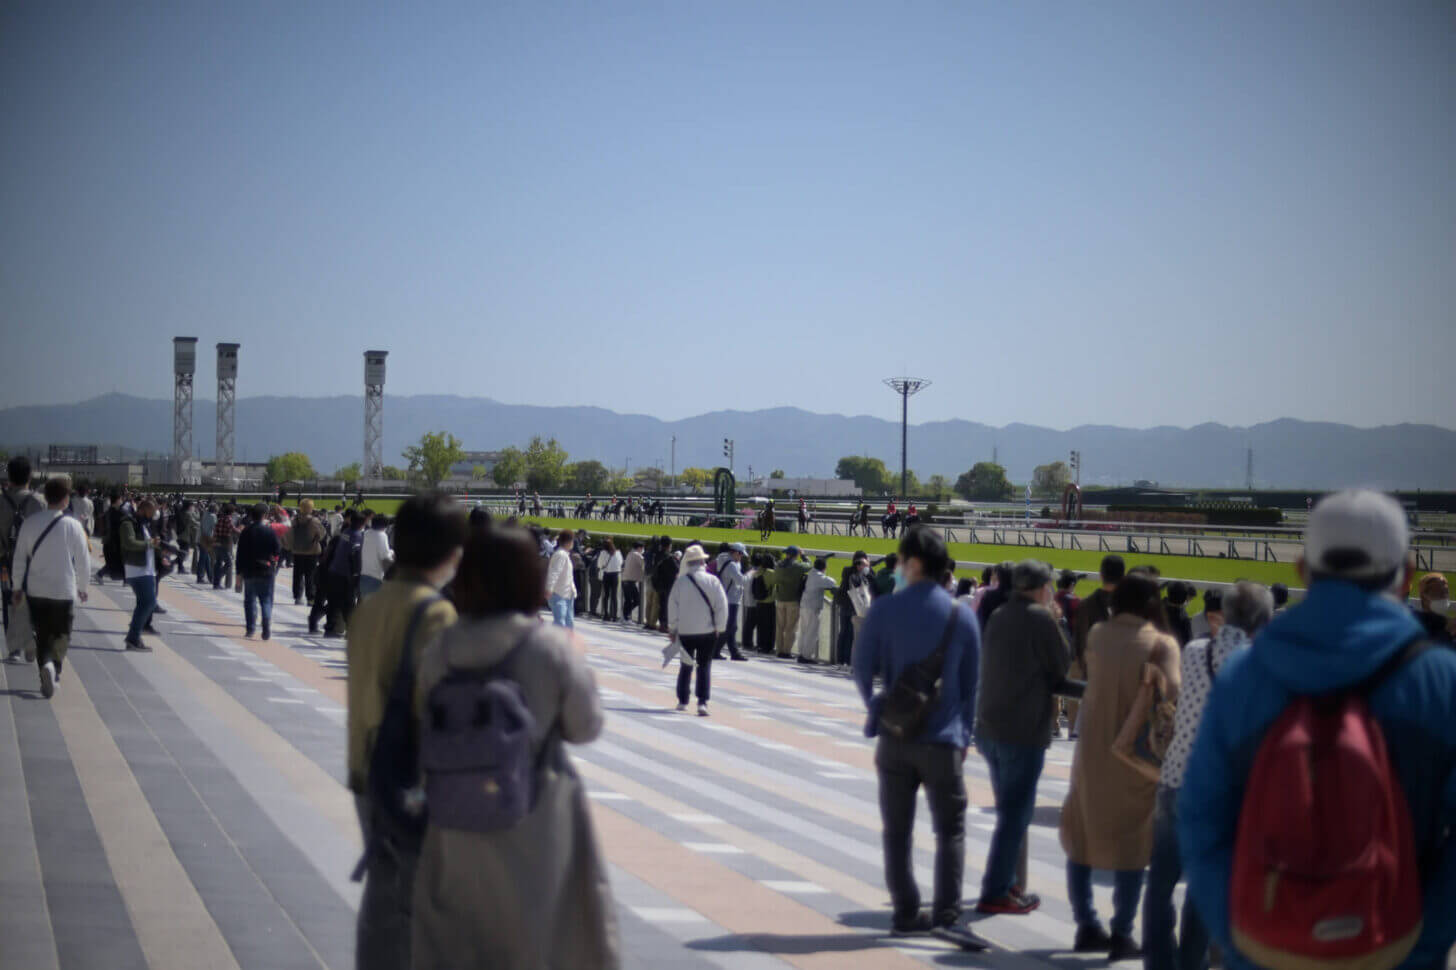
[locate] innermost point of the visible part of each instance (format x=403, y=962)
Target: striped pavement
x=185, y=809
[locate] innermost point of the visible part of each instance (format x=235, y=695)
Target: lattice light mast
x=374, y=414
x=227, y=389
x=905, y=386
x=184, y=366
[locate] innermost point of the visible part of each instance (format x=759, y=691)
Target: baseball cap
x=1356, y=535
x=737, y=547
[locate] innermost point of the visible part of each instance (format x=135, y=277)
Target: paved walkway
x=183, y=809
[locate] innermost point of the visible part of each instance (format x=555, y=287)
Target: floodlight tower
x=227, y=388
x=905, y=386
x=373, y=414
x=184, y=366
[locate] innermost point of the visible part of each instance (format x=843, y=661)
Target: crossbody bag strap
x=712, y=613
x=25, y=580
x=937, y=659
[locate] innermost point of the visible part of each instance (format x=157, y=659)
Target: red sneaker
x=1012, y=904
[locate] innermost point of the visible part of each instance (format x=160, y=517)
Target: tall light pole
x=373, y=415
x=227, y=390
x=184, y=366
x=905, y=386
x=728, y=453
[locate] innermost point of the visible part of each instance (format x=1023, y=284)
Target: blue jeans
x=368, y=584
x=561, y=611
x=258, y=595
x=222, y=566
x=1127, y=887
x=1015, y=769
x=1162, y=950
x=145, y=588
x=203, y=565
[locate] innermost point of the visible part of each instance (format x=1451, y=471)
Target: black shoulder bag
x=908, y=704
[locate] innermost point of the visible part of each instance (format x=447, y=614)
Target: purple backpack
x=475, y=749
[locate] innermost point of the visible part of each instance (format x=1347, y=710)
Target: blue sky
x=1113, y=213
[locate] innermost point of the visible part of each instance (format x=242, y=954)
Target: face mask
x=900, y=581
x=1444, y=607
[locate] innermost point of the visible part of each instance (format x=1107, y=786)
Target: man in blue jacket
x=901, y=630
x=1357, y=569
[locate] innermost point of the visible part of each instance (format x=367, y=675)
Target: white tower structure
x=373, y=415
x=184, y=366
x=227, y=389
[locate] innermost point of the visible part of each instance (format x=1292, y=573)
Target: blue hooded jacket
x=1336, y=638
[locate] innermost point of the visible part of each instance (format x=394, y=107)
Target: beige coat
x=533, y=897
x=1107, y=819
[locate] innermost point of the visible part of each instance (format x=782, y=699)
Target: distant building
x=464, y=469
x=809, y=487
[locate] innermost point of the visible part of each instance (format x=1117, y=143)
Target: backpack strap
x=1208, y=661
x=1412, y=649
x=25, y=580
x=937, y=658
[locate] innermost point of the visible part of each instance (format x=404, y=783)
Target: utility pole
x=1249, y=470
x=672, y=473
x=905, y=386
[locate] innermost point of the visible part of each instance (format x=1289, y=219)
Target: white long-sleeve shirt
x=375, y=556
x=687, y=611
x=609, y=562
x=60, y=568
x=816, y=584
x=734, y=583
x=559, y=580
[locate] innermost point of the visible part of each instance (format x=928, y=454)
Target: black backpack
x=396, y=804
x=908, y=704
x=17, y=519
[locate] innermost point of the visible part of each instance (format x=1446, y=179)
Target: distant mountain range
x=1287, y=453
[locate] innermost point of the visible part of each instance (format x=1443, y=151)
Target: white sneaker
x=703, y=709
x=682, y=707
x=47, y=679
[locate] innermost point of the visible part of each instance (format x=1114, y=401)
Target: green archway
x=724, y=492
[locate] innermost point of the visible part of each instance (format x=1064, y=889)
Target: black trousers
x=52, y=622
x=729, y=637
x=750, y=625
x=579, y=579
x=335, y=600
x=903, y=767
x=764, y=616
x=609, y=595
x=701, y=647
x=594, y=585
x=844, y=648
x=631, y=597
x=305, y=577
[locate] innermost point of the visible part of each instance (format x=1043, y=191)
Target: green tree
x=986, y=482
x=1051, y=479
x=545, y=465
x=478, y=473
x=696, y=478
x=510, y=467
x=870, y=474
x=912, y=486
x=433, y=457
x=587, y=476
x=391, y=473
x=349, y=474
x=292, y=466
x=649, y=477
x=938, y=488
x=776, y=473
x=618, y=484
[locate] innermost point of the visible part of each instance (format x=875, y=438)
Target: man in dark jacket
x=853, y=577
x=1095, y=609
x=342, y=563
x=258, y=550
x=16, y=502
x=664, y=574
x=1357, y=567
x=996, y=595
x=308, y=545
x=1023, y=655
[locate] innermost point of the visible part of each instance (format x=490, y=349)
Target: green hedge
x=1214, y=513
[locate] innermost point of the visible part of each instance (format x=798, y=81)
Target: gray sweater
x=1023, y=656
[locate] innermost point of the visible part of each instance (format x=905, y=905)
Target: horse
x=910, y=520
x=890, y=524
x=766, y=523
x=860, y=519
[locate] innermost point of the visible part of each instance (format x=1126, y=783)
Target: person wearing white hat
x=699, y=611
x=1352, y=631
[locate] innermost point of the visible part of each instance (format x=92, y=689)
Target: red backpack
x=1325, y=873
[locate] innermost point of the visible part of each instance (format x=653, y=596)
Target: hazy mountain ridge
x=1287, y=453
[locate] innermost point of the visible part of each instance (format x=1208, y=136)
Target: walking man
x=308, y=546
x=139, y=557
x=634, y=570
x=560, y=583
x=699, y=611
x=913, y=629
x=258, y=551
x=54, y=567
x=17, y=502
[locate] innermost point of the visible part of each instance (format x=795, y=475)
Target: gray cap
x=737, y=547
x=1030, y=574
